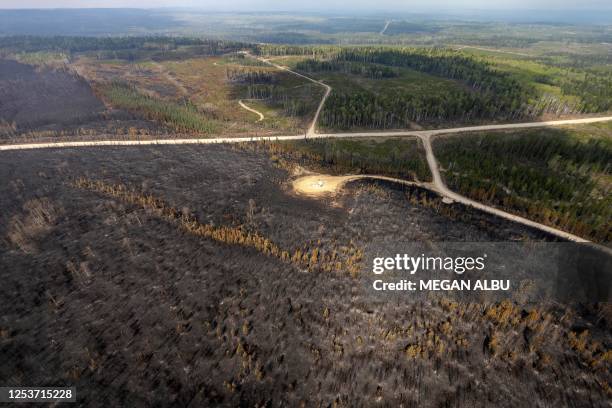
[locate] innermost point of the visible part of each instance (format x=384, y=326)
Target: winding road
x=261, y=115
x=312, y=128
x=426, y=137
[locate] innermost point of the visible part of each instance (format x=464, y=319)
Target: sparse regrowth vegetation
x=182, y=117
x=560, y=177
x=347, y=260
x=288, y=99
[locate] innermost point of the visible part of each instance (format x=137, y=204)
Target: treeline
x=498, y=41
x=121, y=46
x=478, y=74
x=372, y=71
x=400, y=158
x=595, y=92
x=322, y=51
x=576, y=61
x=241, y=59
x=252, y=77
x=510, y=94
x=289, y=38
x=486, y=94
x=492, y=94
x=182, y=117
x=548, y=175
x=398, y=108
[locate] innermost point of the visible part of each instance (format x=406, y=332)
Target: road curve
x=261, y=115
x=312, y=128
x=440, y=187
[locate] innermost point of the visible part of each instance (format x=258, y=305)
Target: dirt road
x=312, y=128
x=440, y=187
x=417, y=133
x=322, y=185
x=261, y=115
x=382, y=32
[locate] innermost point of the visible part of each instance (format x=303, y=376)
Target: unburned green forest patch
x=560, y=177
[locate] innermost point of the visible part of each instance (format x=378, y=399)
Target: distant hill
x=85, y=22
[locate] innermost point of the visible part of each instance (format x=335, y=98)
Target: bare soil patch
x=316, y=185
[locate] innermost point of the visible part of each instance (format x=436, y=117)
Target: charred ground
x=148, y=275
x=31, y=97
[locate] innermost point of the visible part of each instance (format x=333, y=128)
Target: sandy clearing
x=318, y=185
x=321, y=185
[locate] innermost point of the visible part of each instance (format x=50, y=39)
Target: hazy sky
x=289, y=5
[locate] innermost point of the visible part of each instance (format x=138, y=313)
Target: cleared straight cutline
x=261, y=115
x=172, y=79
x=382, y=32
x=492, y=50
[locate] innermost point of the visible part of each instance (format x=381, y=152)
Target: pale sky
x=290, y=5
